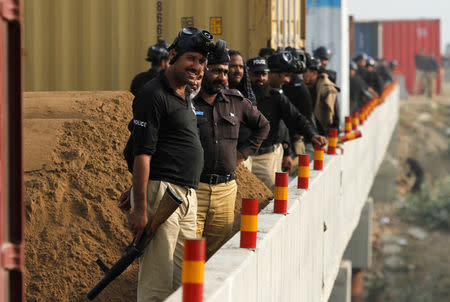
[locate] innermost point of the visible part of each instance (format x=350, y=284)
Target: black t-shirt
x=141, y=79
x=165, y=127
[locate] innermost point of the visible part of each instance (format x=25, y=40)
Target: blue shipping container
x=367, y=38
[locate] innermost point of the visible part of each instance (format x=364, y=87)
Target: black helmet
x=220, y=54
x=370, y=61
x=192, y=39
x=312, y=63
x=257, y=64
x=266, y=51
x=353, y=65
x=360, y=56
x=299, y=59
x=158, y=52
x=282, y=61
x=322, y=53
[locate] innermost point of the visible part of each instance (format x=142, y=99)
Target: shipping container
x=368, y=38
x=327, y=25
x=11, y=170
x=102, y=44
x=403, y=39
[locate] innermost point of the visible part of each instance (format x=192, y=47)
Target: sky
x=404, y=9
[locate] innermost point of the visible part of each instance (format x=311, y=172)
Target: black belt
x=265, y=150
x=214, y=179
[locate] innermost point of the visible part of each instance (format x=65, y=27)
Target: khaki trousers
x=215, y=213
x=160, y=265
x=264, y=166
x=431, y=83
x=419, y=81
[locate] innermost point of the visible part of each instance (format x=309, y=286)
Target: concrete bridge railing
x=298, y=255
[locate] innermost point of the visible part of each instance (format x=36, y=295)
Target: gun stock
x=168, y=204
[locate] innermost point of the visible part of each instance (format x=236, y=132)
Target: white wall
x=295, y=260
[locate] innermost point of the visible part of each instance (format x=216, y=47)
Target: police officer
x=158, y=55
x=324, y=54
x=298, y=93
x=420, y=61
x=275, y=106
x=323, y=93
x=383, y=71
x=373, y=78
x=359, y=92
x=167, y=152
x=220, y=113
x=361, y=62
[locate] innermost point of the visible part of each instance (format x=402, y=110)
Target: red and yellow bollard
x=348, y=124
x=318, y=158
x=351, y=136
x=192, y=275
x=281, y=192
x=303, y=171
x=355, y=121
x=249, y=223
x=332, y=140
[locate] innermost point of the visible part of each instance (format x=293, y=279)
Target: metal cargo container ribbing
x=11, y=170
x=101, y=45
x=368, y=38
x=402, y=39
x=327, y=25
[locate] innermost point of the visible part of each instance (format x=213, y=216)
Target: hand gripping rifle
x=168, y=204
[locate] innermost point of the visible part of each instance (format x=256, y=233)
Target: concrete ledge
x=295, y=258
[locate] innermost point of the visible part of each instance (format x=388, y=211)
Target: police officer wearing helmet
x=158, y=55
x=359, y=90
x=361, y=61
x=167, y=152
x=298, y=93
x=220, y=113
x=323, y=93
x=324, y=54
x=373, y=78
x=275, y=106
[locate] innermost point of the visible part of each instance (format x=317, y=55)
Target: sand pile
x=74, y=176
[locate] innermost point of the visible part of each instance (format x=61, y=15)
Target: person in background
x=158, y=56
x=359, y=90
x=384, y=72
x=275, y=106
x=420, y=75
x=220, y=113
x=324, y=54
x=373, y=79
x=323, y=93
x=432, y=70
x=266, y=52
x=361, y=62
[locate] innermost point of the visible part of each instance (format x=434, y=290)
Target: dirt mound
x=74, y=175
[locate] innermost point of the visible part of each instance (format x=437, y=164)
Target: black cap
x=322, y=53
x=257, y=64
x=282, y=61
x=220, y=54
x=193, y=39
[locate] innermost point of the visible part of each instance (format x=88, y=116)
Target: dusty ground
x=411, y=261
x=74, y=174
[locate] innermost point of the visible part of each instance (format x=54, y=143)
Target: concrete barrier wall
x=298, y=255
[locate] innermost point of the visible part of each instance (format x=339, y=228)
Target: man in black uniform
x=374, y=80
x=383, y=71
x=298, y=93
x=159, y=57
x=275, y=106
x=420, y=61
x=220, y=113
x=324, y=54
x=359, y=90
x=167, y=153
x=361, y=62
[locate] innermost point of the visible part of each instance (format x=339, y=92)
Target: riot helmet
x=158, y=52
x=192, y=39
x=322, y=52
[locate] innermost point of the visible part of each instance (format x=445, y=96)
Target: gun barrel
x=113, y=272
